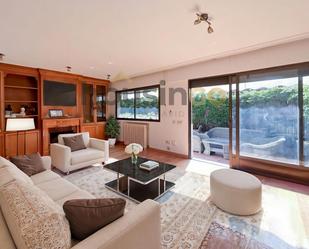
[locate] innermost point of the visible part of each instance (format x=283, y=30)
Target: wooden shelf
x=20, y=101
x=21, y=87
x=27, y=116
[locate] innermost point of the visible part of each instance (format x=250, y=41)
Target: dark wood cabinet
x=21, y=143
x=1, y=145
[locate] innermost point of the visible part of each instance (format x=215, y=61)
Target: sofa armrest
x=100, y=144
x=46, y=162
x=60, y=156
x=137, y=229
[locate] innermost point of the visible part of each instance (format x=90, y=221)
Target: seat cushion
x=44, y=176
x=5, y=236
x=58, y=188
x=86, y=155
x=78, y=194
x=34, y=220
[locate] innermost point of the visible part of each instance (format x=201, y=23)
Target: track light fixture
x=204, y=17
x=69, y=69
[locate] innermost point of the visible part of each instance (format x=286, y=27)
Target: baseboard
x=162, y=151
x=171, y=153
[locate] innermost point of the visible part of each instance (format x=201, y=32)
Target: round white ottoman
x=235, y=191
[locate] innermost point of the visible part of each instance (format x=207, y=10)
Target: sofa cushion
x=29, y=164
x=78, y=194
x=10, y=173
x=44, y=176
x=34, y=220
x=86, y=155
x=58, y=188
x=86, y=216
x=85, y=135
x=5, y=236
x=75, y=142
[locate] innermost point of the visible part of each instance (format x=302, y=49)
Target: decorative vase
x=134, y=158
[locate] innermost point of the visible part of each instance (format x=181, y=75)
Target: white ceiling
x=132, y=37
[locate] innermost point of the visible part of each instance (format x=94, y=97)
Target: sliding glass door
x=210, y=120
x=263, y=115
x=269, y=116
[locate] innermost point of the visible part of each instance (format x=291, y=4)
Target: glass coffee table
x=139, y=184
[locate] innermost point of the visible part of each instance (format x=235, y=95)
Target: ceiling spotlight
x=2, y=56
x=204, y=17
x=210, y=29
x=69, y=69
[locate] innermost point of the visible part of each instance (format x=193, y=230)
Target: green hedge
x=214, y=113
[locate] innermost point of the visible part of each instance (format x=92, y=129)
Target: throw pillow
x=86, y=216
x=75, y=142
x=29, y=164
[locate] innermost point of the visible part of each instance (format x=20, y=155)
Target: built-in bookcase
x=22, y=91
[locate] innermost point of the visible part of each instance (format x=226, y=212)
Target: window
x=139, y=104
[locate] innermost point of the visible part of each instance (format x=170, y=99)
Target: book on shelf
x=149, y=165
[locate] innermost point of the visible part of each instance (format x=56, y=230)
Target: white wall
x=172, y=131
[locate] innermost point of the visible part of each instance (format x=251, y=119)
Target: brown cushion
x=29, y=164
x=86, y=216
x=75, y=142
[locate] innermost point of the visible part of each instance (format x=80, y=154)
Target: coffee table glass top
x=125, y=167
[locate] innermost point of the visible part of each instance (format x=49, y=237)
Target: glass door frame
x=209, y=82
x=293, y=172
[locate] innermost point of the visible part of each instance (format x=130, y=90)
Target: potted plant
x=112, y=130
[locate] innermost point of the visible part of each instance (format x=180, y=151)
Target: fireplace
x=54, y=132
x=52, y=127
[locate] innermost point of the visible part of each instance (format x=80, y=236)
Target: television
x=59, y=93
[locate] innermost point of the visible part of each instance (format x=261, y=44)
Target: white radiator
x=135, y=133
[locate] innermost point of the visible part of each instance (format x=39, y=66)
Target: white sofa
x=137, y=229
x=97, y=151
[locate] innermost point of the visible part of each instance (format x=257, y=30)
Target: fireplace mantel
x=49, y=123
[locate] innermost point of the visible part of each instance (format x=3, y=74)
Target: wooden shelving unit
x=22, y=91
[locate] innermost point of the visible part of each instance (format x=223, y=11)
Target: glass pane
x=88, y=103
x=125, y=105
x=306, y=119
x=147, y=104
x=269, y=116
x=100, y=101
x=210, y=122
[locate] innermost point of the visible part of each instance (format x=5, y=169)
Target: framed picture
x=53, y=113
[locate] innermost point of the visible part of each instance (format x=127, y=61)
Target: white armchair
x=97, y=151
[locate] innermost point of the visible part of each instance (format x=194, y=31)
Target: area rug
x=189, y=219
x=186, y=211
x=219, y=236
